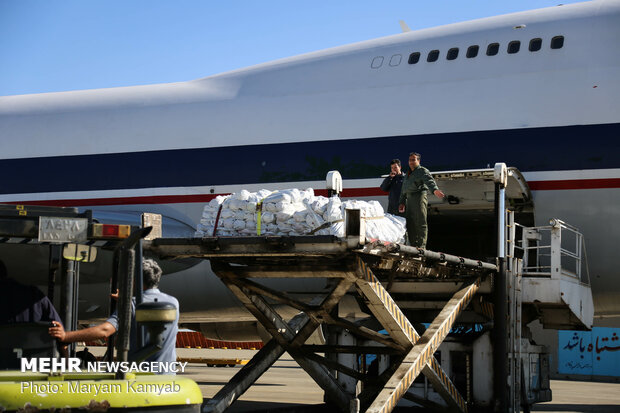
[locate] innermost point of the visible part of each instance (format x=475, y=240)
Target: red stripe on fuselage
x=346, y=193
x=574, y=184
x=130, y=200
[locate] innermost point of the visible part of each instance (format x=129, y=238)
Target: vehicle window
x=472, y=51
x=535, y=44
x=514, y=46
x=557, y=42
x=433, y=55
x=492, y=49
x=414, y=58
x=452, y=53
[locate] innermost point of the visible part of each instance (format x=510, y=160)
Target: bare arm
x=99, y=331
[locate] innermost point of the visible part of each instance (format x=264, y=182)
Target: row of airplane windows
x=513, y=47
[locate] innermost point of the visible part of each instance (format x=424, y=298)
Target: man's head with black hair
x=151, y=273
x=414, y=160
x=395, y=167
x=417, y=155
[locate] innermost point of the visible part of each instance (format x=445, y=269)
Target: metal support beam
x=109, y=355
x=126, y=274
x=421, y=354
x=54, y=268
x=441, y=257
x=66, y=296
x=317, y=348
x=126, y=282
x=286, y=336
x=290, y=271
x=336, y=366
x=365, y=332
x=242, y=381
x=278, y=296
x=400, y=329
x=500, y=298
x=76, y=294
x=383, y=306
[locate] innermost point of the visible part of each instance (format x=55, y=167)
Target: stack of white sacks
x=293, y=212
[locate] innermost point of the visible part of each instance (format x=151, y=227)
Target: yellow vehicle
x=33, y=378
x=97, y=392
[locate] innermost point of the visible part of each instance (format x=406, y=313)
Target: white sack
x=294, y=212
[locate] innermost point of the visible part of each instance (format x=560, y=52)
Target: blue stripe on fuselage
x=528, y=149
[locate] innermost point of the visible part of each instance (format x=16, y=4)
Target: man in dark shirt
x=393, y=185
x=21, y=303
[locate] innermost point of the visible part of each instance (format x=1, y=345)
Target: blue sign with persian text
x=591, y=353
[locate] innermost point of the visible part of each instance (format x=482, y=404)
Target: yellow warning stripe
x=388, y=302
x=259, y=212
x=487, y=309
x=427, y=351
x=448, y=384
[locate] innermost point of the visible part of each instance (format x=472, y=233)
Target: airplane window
x=535, y=44
x=472, y=51
x=557, y=42
x=492, y=49
x=414, y=58
x=514, y=46
x=433, y=55
x=395, y=60
x=452, y=53
x=377, y=62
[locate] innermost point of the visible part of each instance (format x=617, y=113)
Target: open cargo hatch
x=473, y=190
x=464, y=222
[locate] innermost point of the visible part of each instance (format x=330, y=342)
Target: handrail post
x=500, y=297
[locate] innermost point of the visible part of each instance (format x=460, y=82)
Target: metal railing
x=555, y=250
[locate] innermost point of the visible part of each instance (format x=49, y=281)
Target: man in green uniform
x=414, y=200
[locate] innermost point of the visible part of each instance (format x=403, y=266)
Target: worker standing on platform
x=393, y=184
x=414, y=200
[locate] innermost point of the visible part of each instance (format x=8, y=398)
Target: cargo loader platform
x=426, y=317
x=347, y=268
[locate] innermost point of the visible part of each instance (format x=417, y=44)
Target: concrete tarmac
x=284, y=387
x=582, y=396
x=287, y=388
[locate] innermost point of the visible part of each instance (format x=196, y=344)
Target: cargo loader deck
x=347, y=268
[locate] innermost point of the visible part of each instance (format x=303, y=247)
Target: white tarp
x=293, y=212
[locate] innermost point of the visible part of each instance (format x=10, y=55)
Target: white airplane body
x=552, y=113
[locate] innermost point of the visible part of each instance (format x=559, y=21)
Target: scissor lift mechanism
x=349, y=267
